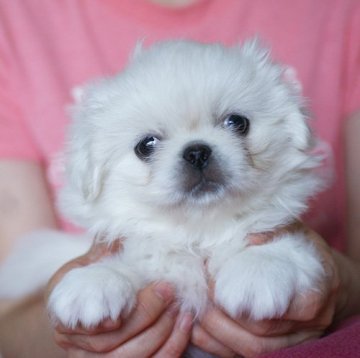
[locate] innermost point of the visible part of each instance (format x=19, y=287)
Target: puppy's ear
x=85, y=173
x=85, y=168
x=90, y=177
x=83, y=185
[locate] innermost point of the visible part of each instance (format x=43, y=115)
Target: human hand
x=153, y=328
x=306, y=318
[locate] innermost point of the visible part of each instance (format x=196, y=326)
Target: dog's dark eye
x=146, y=146
x=238, y=123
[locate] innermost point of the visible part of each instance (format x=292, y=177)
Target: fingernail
x=164, y=291
x=185, y=322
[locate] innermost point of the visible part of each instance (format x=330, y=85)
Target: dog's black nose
x=197, y=155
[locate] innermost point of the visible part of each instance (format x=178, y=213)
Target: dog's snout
x=197, y=155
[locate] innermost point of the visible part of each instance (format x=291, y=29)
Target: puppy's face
x=188, y=126
x=199, y=162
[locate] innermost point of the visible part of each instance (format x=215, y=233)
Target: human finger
x=232, y=335
x=302, y=314
x=176, y=344
x=149, y=341
x=265, y=237
x=203, y=340
x=143, y=345
x=268, y=327
x=105, y=326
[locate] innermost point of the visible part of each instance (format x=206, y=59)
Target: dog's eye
x=146, y=146
x=238, y=123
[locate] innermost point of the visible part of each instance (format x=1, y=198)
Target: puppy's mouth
x=204, y=187
x=198, y=184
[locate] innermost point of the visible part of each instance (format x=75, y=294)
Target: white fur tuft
x=36, y=257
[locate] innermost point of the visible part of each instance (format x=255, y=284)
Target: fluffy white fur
x=182, y=92
x=36, y=257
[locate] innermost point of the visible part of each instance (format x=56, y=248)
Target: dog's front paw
x=262, y=280
x=90, y=294
x=259, y=289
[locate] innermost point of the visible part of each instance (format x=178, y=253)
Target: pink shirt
x=48, y=47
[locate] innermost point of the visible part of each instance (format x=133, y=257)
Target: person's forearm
x=25, y=203
x=349, y=290
x=25, y=331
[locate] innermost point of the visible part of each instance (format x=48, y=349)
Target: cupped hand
x=153, y=328
x=306, y=319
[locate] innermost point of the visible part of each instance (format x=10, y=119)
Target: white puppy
x=187, y=151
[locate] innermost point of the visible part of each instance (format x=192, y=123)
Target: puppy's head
x=188, y=128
